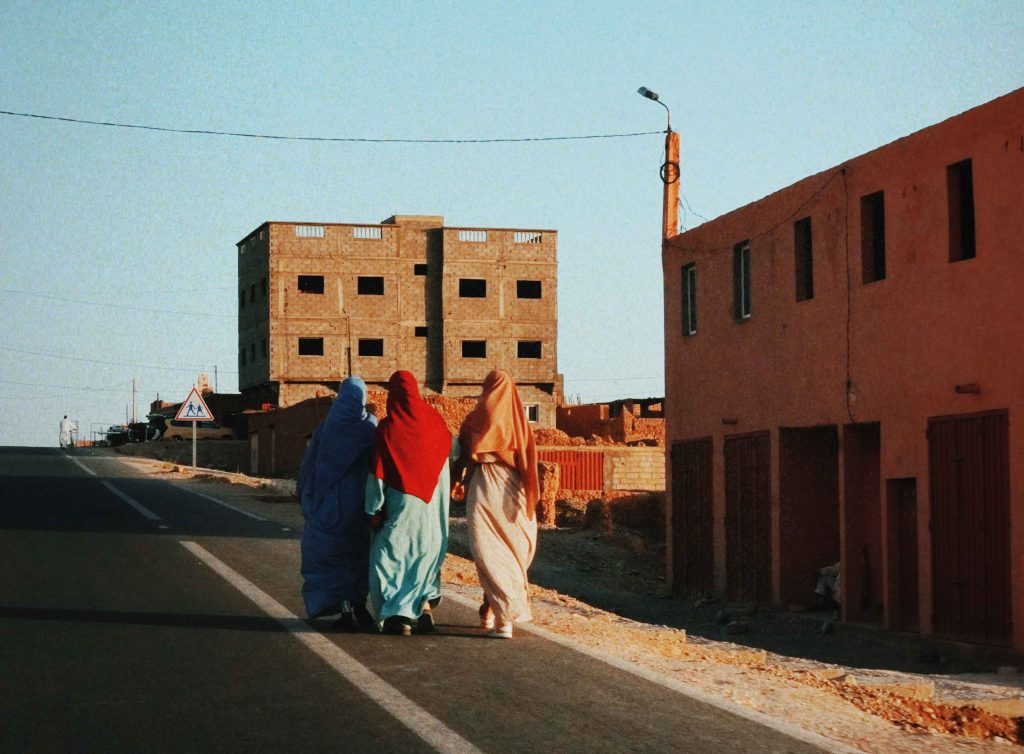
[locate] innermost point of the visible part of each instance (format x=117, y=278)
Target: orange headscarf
x=497, y=430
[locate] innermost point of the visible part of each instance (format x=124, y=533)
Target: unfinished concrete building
x=318, y=302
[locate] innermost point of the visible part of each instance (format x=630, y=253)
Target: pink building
x=845, y=382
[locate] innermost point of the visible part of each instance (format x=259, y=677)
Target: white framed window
x=532, y=412
x=689, y=303
x=742, y=308
x=309, y=231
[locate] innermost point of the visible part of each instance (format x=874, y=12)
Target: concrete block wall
x=634, y=468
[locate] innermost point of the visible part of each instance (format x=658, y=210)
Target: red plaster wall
x=902, y=344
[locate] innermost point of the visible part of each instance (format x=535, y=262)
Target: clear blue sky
x=118, y=246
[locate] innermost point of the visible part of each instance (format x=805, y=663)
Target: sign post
x=194, y=409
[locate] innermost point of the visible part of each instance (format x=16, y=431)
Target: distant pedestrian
x=502, y=488
x=67, y=427
x=331, y=487
x=408, y=494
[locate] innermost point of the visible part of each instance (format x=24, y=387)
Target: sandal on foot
x=501, y=632
x=486, y=616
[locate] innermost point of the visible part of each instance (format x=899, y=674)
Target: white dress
x=502, y=538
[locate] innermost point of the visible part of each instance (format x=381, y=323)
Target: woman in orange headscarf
x=501, y=499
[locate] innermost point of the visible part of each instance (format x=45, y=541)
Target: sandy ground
x=620, y=571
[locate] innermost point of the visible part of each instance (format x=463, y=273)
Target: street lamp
x=653, y=96
x=669, y=172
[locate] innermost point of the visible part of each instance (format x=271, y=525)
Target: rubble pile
x=452, y=410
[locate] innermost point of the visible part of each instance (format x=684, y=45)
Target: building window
x=872, y=237
x=803, y=259
x=263, y=348
x=241, y=299
x=309, y=231
x=960, y=186
x=311, y=283
x=689, y=299
x=252, y=353
x=741, y=304
x=526, y=236
x=472, y=288
x=263, y=287
x=473, y=236
x=311, y=346
x=421, y=332
x=474, y=349
x=528, y=349
x=252, y=293
x=368, y=232
x=419, y=269
x=371, y=285
x=241, y=356
x=528, y=289
x=532, y=412
x=371, y=346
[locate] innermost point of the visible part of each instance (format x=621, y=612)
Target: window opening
x=371, y=285
x=311, y=346
x=960, y=185
x=419, y=269
x=689, y=299
x=472, y=288
x=872, y=237
x=532, y=412
x=742, y=308
x=311, y=283
x=371, y=346
x=474, y=349
x=421, y=332
x=528, y=289
x=528, y=349
x=803, y=259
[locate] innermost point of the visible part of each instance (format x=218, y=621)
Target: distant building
x=633, y=421
x=318, y=302
x=845, y=382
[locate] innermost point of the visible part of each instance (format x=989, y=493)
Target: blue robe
x=409, y=547
x=331, y=487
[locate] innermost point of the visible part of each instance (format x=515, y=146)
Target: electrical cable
x=350, y=139
x=111, y=363
x=113, y=306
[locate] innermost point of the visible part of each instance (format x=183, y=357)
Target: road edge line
x=212, y=499
x=434, y=732
x=80, y=465
x=131, y=501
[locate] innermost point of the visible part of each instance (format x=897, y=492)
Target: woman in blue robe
x=331, y=487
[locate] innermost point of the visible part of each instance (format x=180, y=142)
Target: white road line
x=790, y=729
x=80, y=465
x=131, y=501
x=398, y=705
x=222, y=503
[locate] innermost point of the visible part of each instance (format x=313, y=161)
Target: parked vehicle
x=205, y=430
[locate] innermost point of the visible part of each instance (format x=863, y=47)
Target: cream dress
x=502, y=538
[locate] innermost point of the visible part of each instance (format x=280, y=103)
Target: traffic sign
x=194, y=408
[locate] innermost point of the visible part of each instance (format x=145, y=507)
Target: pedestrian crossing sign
x=194, y=408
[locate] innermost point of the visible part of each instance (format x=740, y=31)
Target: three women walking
x=376, y=501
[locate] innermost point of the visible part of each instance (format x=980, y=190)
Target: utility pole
x=216, y=389
x=133, y=400
x=669, y=172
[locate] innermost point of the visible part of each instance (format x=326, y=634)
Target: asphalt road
x=137, y=616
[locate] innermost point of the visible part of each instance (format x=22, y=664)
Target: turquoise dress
x=408, y=549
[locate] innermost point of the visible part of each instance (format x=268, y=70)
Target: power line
x=111, y=363
x=112, y=305
x=350, y=139
x=121, y=390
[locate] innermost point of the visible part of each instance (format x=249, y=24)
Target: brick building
x=317, y=302
x=845, y=382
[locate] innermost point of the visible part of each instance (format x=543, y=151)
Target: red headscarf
x=497, y=429
x=412, y=442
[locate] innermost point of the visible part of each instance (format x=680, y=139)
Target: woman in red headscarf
x=408, y=491
x=501, y=499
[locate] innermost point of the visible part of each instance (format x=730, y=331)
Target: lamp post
x=669, y=171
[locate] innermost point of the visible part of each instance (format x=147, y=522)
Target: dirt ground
x=857, y=685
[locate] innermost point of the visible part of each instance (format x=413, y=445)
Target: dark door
x=693, y=531
x=904, y=603
x=748, y=518
x=970, y=496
